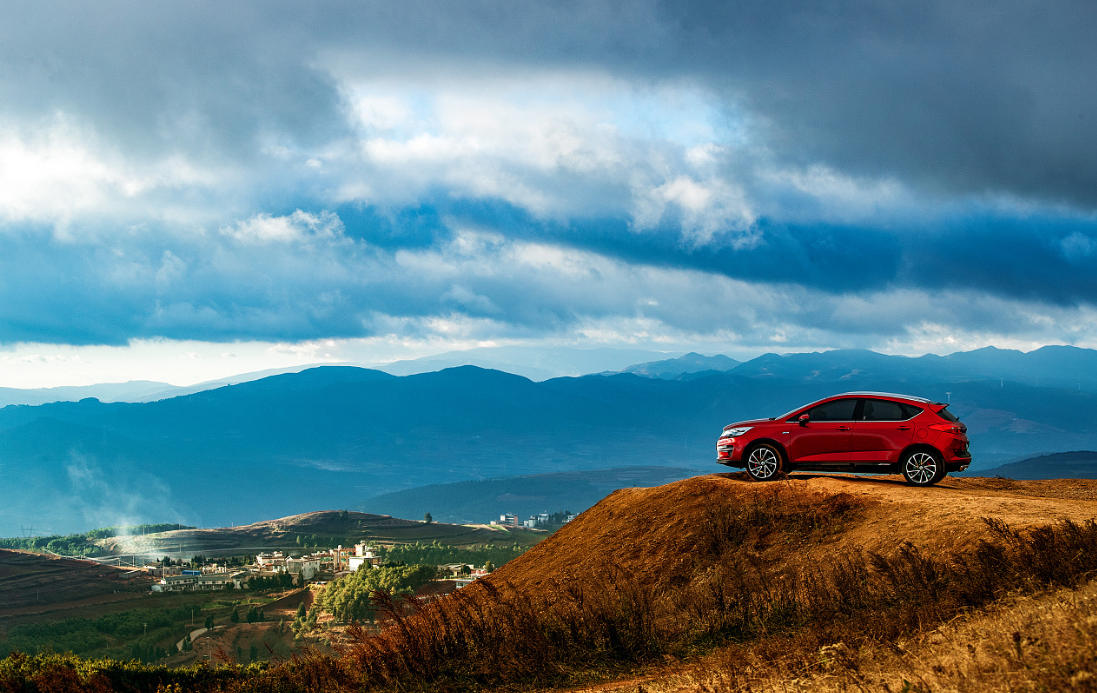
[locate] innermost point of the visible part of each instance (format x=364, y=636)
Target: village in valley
x=294, y=569
x=277, y=569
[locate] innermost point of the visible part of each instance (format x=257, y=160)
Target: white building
x=267, y=560
x=364, y=554
x=306, y=568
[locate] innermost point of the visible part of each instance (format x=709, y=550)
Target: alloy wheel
x=921, y=468
x=763, y=462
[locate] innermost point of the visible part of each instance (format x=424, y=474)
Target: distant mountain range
x=690, y=363
x=332, y=437
x=535, y=363
x=131, y=391
x=482, y=501
x=1060, y=366
x=1079, y=464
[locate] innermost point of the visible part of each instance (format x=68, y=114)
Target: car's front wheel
x=763, y=462
x=922, y=468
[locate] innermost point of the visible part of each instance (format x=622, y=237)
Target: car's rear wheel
x=763, y=462
x=922, y=467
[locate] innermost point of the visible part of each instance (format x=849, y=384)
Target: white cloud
x=300, y=226
x=596, y=147
x=57, y=171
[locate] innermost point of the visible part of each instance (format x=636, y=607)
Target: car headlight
x=735, y=432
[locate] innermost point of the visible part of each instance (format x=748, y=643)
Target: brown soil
x=219, y=645
x=651, y=534
x=288, y=603
x=32, y=583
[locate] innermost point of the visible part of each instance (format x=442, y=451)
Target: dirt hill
x=657, y=535
x=328, y=526
x=34, y=582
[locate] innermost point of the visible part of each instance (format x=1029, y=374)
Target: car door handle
x=904, y=428
x=843, y=428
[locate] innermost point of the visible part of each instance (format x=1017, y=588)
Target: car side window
x=909, y=412
x=882, y=410
x=838, y=410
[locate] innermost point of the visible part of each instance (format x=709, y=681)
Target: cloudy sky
x=195, y=189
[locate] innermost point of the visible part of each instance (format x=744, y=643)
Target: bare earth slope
x=31, y=582
x=657, y=536
x=652, y=533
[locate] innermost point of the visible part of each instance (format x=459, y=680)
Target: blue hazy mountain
x=689, y=363
x=467, y=502
x=330, y=437
x=1060, y=366
x=1078, y=464
x=535, y=363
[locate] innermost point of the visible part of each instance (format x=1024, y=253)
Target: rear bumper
x=957, y=460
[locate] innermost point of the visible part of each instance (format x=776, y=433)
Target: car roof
x=912, y=398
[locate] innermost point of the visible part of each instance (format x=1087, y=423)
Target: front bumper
x=729, y=451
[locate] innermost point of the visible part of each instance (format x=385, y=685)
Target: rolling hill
x=329, y=527
x=480, y=501
x=1080, y=464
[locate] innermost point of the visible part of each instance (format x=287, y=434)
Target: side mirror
x=804, y=418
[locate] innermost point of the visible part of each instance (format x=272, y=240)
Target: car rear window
x=882, y=410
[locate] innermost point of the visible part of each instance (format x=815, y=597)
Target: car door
x=827, y=436
x=881, y=432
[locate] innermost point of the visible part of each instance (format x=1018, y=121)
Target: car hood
x=753, y=422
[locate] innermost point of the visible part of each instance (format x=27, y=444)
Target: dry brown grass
x=1045, y=642
x=729, y=594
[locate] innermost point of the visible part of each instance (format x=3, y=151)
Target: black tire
x=763, y=461
x=922, y=467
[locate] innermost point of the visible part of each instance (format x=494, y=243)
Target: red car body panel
x=880, y=441
x=874, y=432
x=824, y=441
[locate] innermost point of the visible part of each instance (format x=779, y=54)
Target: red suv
x=872, y=432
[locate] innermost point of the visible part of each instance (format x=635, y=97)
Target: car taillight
x=946, y=427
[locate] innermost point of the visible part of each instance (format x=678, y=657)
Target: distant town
x=277, y=569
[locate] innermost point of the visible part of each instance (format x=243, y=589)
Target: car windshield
x=789, y=414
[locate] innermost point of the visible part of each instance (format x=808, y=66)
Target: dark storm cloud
x=954, y=97
x=310, y=278
x=981, y=112
x=208, y=79
x=958, y=97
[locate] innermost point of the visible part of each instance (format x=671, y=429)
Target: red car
x=874, y=432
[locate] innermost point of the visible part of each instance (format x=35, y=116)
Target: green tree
x=234, y=616
x=254, y=652
x=252, y=616
x=209, y=622
x=187, y=645
x=348, y=598
x=489, y=567
x=301, y=610
x=427, y=518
